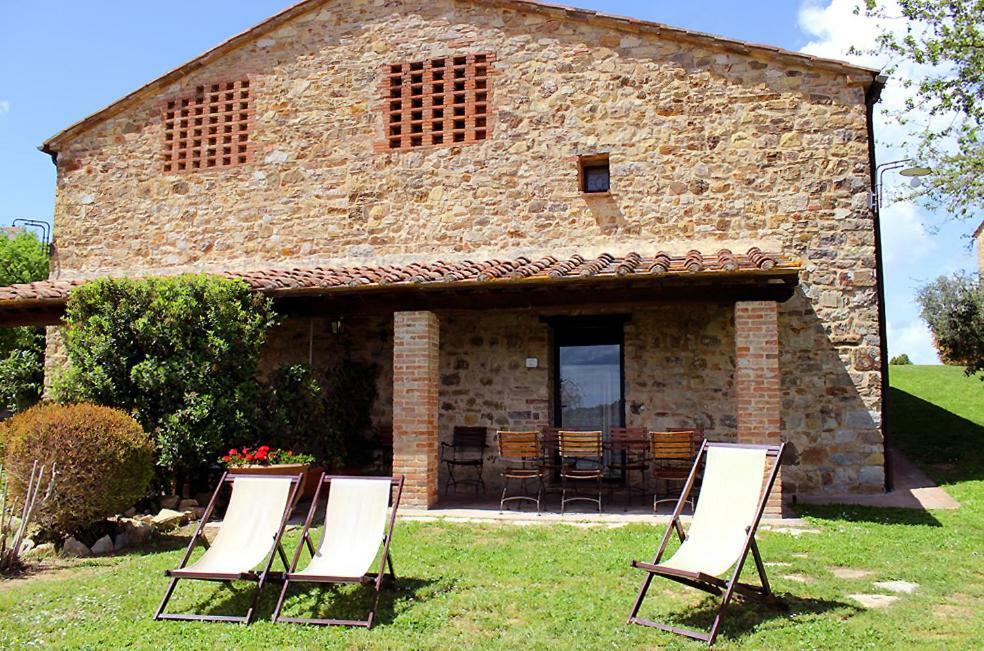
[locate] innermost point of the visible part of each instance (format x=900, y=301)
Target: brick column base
x=415, y=386
x=757, y=387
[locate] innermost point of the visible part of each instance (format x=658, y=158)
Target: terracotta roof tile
x=490, y=272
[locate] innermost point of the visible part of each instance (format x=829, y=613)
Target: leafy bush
x=900, y=360
x=21, y=379
x=295, y=414
x=103, y=458
x=322, y=414
x=23, y=259
x=179, y=353
x=954, y=309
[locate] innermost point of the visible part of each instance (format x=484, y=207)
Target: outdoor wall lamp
x=913, y=172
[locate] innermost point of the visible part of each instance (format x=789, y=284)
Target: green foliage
x=21, y=379
x=103, y=458
x=324, y=416
x=23, y=259
x=179, y=353
x=294, y=415
x=945, y=38
x=954, y=309
x=900, y=360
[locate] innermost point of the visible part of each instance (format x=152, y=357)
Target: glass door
x=590, y=383
x=588, y=376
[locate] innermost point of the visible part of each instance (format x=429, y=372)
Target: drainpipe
x=870, y=99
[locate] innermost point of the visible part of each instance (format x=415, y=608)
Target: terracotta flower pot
x=308, y=484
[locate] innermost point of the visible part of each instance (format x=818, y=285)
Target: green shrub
x=179, y=353
x=322, y=414
x=900, y=360
x=294, y=416
x=23, y=259
x=103, y=458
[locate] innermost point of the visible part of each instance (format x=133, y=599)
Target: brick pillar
x=757, y=389
x=415, y=385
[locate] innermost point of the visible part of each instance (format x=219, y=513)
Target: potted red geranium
x=264, y=460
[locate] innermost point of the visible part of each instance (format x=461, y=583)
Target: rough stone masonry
x=711, y=145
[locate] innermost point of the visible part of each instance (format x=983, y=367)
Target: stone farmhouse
x=527, y=215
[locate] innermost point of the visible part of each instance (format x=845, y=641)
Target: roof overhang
x=519, y=283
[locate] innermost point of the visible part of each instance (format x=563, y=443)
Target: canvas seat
x=731, y=503
x=356, y=524
x=250, y=534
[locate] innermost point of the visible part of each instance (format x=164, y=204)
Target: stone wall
x=709, y=147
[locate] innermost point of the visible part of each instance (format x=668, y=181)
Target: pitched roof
x=612, y=21
x=545, y=269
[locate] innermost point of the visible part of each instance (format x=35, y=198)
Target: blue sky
x=61, y=60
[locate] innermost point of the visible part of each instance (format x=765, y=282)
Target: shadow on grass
x=744, y=617
x=948, y=447
x=303, y=600
x=878, y=515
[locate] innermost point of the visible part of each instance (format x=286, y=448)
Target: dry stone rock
x=44, y=549
x=103, y=546
x=849, y=573
x=73, y=547
x=874, y=600
x=168, y=519
x=897, y=586
x=170, y=501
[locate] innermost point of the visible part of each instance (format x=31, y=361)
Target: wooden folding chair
x=524, y=463
x=355, y=527
x=584, y=448
x=673, y=452
x=721, y=534
x=251, y=531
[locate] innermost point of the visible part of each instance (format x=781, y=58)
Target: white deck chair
x=732, y=500
x=250, y=533
x=356, y=525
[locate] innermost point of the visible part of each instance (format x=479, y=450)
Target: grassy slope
x=549, y=587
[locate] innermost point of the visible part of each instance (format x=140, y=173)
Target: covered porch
x=580, y=342
x=677, y=347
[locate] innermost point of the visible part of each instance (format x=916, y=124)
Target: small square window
x=594, y=174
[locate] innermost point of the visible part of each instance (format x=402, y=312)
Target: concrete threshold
x=578, y=519
x=913, y=490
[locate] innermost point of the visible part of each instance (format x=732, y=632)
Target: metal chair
x=673, y=453
x=521, y=452
x=580, y=448
x=630, y=453
x=466, y=450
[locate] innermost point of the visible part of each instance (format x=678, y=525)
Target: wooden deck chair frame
x=260, y=578
x=712, y=584
x=374, y=578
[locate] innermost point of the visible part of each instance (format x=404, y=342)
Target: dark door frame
x=586, y=331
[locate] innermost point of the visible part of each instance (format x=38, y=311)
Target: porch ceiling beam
x=528, y=298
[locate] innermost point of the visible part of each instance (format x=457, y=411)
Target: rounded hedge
x=103, y=458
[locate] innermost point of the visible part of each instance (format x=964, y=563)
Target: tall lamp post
x=911, y=171
x=875, y=202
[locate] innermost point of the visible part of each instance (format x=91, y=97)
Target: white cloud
x=910, y=248
x=4, y=106
x=914, y=339
x=905, y=240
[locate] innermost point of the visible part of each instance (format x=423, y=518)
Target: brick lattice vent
x=208, y=130
x=438, y=102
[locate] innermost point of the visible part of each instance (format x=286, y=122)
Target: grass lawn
x=548, y=587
